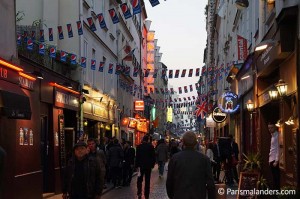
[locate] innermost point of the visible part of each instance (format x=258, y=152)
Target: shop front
x=99, y=116
x=276, y=91
x=19, y=132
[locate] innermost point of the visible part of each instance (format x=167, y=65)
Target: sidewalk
x=110, y=186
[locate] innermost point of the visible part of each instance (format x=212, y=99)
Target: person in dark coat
x=189, y=172
x=144, y=162
x=129, y=156
x=82, y=179
x=99, y=154
x=162, y=156
x=235, y=157
x=115, y=162
x=217, y=158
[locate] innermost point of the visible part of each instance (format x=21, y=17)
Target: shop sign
x=228, y=102
x=139, y=105
x=26, y=83
x=169, y=114
x=142, y=126
x=218, y=116
x=62, y=98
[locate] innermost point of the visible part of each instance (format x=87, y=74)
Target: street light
x=281, y=87
x=250, y=105
x=264, y=44
x=273, y=94
x=250, y=108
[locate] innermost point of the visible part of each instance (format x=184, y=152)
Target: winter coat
x=92, y=176
x=145, y=156
x=115, y=155
x=190, y=176
x=162, y=152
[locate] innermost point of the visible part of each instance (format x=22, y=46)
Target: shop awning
x=14, y=103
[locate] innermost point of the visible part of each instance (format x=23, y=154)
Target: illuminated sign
x=142, y=126
x=132, y=123
x=169, y=114
x=139, y=105
x=218, y=116
x=228, y=102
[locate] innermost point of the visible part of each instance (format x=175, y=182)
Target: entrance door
x=45, y=153
x=69, y=141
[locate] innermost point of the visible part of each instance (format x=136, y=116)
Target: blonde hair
x=189, y=139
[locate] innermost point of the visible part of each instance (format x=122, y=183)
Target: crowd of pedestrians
x=192, y=165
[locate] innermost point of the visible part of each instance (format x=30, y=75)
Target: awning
x=14, y=103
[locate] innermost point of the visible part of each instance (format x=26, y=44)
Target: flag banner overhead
x=135, y=71
x=190, y=73
x=73, y=59
x=60, y=32
x=91, y=24
x=50, y=32
x=110, y=68
x=114, y=16
x=101, y=21
x=170, y=73
x=154, y=2
x=79, y=28
x=101, y=66
x=177, y=73
x=136, y=8
x=147, y=71
x=125, y=10
x=183, y=73
x=129, y=56
x=93, y=64
x=42, y=38
x=70, y=31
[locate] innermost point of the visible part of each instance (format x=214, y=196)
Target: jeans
x=161, y=167
x=147, y=173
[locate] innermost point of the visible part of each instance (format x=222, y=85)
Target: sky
x=180, y=29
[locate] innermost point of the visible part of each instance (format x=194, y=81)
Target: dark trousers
x=276, y=175
x=235, y=174
x=116, y=173
x=147, y=173
x=216, y=170
x=127, y=174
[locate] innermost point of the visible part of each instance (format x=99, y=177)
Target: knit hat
x=78, y=144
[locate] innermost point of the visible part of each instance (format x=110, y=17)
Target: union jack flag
x=201, y=109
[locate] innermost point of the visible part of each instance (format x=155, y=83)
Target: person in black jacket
x=189, y=172
x=82, y=179
x=115, y=162
x=144, y=162
x=129, y=156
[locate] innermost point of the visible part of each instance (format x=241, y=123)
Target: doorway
x=45, y=153
x=69, y=142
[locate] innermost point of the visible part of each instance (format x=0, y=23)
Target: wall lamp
x=241, y=4
x=290, y=121
x=281, y=87
x=250, y=105
x=264, y=44
x=38, y=74
x=273, y=94
x=279, y=123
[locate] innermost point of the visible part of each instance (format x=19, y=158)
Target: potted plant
x=252, y=162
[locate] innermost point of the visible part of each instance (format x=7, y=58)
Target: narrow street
x=157, y=189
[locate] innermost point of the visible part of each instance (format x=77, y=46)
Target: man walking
x=274, y=156
x=162, y=156
x=99, y=155
x=82, y=175
x=129, y=155
x=145, y=161
x=189, y=172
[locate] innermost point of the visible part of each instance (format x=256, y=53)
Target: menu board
x=62, y=140
x=248, y=181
